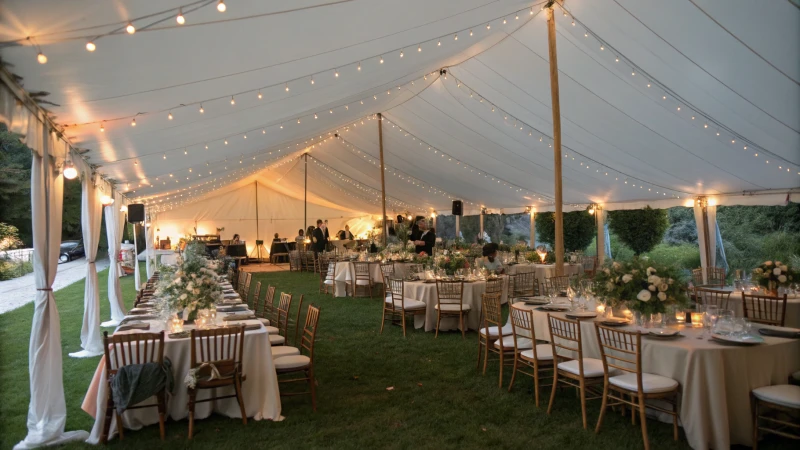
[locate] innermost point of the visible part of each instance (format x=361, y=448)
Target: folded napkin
x=231, y=301
x=239, y=316
x=233, y=308
x=140, y=312
x=134, y=325
x=145, y=305
x=791, y=333
x=138, y=318
x=247, y=326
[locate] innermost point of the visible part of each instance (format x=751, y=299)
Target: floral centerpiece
x=422, y=258
x=452, y=262
x=772, y=275
x=643, y=286
x=191, y=287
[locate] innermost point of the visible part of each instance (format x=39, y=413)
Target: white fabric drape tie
x=114, y=229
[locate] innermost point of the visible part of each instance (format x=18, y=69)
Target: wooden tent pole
x=559, y=215
x=305, y=194
x=255, y=183
x=383, y=180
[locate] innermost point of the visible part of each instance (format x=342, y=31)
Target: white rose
x=650, y=271
x=644, y=295
x=758, y=270
x=654, y=279
x=610, y=286
x=767, y=263
x=663, y=287
x=615, y=265
x=607, y=272
x=662, y=296
x=196, y=291
x=776, y=271
x=183, y=296
x=652, y=288
x=782, y=278
x=635, y=271
x=784, y=268
x=627, y=277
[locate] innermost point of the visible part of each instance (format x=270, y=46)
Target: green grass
x=439, y=399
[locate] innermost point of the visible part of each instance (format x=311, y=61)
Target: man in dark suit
x=346, y=234
x=426, y=239
x=318, y=239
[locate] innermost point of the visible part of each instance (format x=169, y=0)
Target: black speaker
x=458, y=208
x=400, y=218
x=135, y=213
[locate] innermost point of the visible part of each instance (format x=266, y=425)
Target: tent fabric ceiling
x=722, y=115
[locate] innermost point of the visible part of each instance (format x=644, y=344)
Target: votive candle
x=697, y=319
x=680, y=316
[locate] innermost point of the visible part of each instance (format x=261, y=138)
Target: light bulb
x=488, y=27
x=41, y=58
x=102, y=127
x=180, y=19
x=401, y=53
x=70, y=172
x=287, y=87
x=259, y=95
x=419, y=48
x=221, y=6
x=133, y=122
x=90, y=46
x=336, y=73
x=233, y=102
x=439, y=44
x=381, y=60
x=130, y=28
x=201, y=109
x=169, y=116
x=359, y=66
x=455, y=38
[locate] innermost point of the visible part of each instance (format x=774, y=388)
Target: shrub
x=579, y=229
x=640, y=229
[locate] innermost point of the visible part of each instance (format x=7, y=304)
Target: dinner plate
x=663, y=332
x=561, y=308
x=738, y=340
x=582, y=315
x=613, y=322
x=534, y=300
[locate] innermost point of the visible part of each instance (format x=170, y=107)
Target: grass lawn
x=439, y=399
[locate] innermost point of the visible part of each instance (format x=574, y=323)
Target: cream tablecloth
x=426, y=292
x=260, y=389
x=715, y=379
x=346, y=272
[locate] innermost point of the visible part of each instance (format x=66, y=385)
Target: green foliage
x=640, y=229
x=15, y=184
x=579, y=229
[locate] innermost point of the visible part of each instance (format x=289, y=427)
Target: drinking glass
x=571, y=298
x=710, y=319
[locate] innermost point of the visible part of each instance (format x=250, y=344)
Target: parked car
x=71, y=250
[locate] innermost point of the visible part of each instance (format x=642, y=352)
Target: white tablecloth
x=346, y=272
x=715, y=379
x=426, y=292
x=260, y=389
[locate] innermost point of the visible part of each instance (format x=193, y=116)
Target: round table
x=426, y=292
x=792, y=307
x=346, y=273
x=715, y=379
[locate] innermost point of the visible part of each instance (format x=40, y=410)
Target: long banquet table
x=715, y=379
x=426, y=292
x=259, y=390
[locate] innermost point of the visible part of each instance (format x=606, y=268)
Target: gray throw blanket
x=135, y=383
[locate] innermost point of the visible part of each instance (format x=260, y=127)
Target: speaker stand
x=258, y=253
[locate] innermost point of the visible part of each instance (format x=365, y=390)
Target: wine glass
x=710, y=319
x=571, y=297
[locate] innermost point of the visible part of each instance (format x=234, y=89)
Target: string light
x=41, y=58
x=336, y=73
x=102, y=127
x=130, y=28
x=233, y=102
x=259, y=95
x=419, y=48
x=133, y=122
x=90, y=46
x=221, y=6
x=381, y=61
x=287, y=87
x=170, y=116
x=201, y=109
x=401, y=53
x=180, y=19
x=359, y=66
x=455, y=38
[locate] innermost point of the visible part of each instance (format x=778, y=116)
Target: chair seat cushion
x=591, y=367
x=328, y=281
x=292, y=362
x=276, y=339
x=284, y=350
x=264, y=321
x=494, y=333
x=450, y=307
x=651, y=384
x=408, y=304
x=544, y=352
x=363, y=282
x=272, y=330
x=783, y=394
x=508, y=343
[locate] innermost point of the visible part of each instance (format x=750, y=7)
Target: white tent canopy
x=712, y=67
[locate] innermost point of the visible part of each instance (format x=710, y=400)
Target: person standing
x=318, y=239
x=327, y=233
x=426, y=239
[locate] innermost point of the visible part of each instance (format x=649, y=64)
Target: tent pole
x=305, y=193
x=481, y=219
x=458, y=227
x=559, y=215
x=383, y=180
x=533, y=228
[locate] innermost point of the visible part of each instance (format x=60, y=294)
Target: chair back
x=387, y=270
x=397, y=292
x=589, y=265
x=253, y=301
x=557, y=284
x=134, y=348
x=222, y=347
x=621, y=350
x=262, y=307
x=765, y=309
x=715, y=276
x=450, y=292
x=361, y=269
x=523, y=284
x=284, y=304
x=709, y=296
x=297, y=321
x=414, y=269
x=326, y=266
x=310, y=331
x=294, y=260
x=308, y=260
x=565, y=338
x=322, y=263
x=245, y=294
x=522, y=325
x=492, y=311
x=494, y=285
x=240, y=278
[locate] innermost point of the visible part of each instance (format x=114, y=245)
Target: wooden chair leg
x=107, y=423
x=238, y=386
x=553, y=391
x=486, y=343
x=438, y=321
x=502, y=363
x=192, y=396
x=480, y=348
x=675, y=418
x=754, y=408
x=583, y=402
x=162, y=413
x=403, y=318
x=535, y=383
x=633, y=412
x=313, y=387
x=461, y=321
x=120, y=427
x=643, y=419
x=602, y=408
x=513, y=372
x=383, y=318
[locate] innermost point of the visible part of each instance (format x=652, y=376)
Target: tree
x=639, y=229
x=579, y=229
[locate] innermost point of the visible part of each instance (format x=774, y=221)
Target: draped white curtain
x=707, y=259
x=137, y=277
x=114, y=229
x=47, y=411
x=91, y=216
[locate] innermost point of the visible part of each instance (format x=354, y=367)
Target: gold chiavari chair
x=260, y=304
x=387, y=271
x=308, y=261
x=623, y=379
x=217, y=360
x=715, y=276
x=304, y=362
x=282, y=322
x=325, y=275
x=556, y=284
x=450, y=303
x=127, y=349
x=775, y=410
x=764, y=309
x=589, y=266
x=288, y=350
x=295, y=263
x=523, y=284
x=245, y=294
x=396, y=306
x=363, y=277
x=255, y=298
x=709, y=296
x=489, y=342
x=582, y=373
x=538, y=358
x=241, y=278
